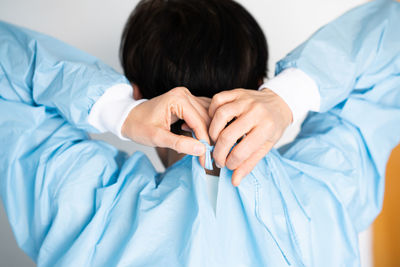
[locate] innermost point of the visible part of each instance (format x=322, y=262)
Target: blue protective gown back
x=72, y=201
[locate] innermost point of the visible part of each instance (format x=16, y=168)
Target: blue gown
x=72, y=201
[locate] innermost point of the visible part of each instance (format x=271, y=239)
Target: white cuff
x=298, y=90
x=110, y=111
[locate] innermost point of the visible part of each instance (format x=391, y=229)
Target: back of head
x=207, y=46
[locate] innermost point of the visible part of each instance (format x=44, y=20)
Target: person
x=74, y=201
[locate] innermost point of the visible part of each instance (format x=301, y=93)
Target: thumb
x=180, y=143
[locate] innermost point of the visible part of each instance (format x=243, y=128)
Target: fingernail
x=218, y=166
x=236, y=181
x=199, y=149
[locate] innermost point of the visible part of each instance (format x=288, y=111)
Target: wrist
x=283, y=108
x=130, y=122
x=299, y=91
x=110, y=111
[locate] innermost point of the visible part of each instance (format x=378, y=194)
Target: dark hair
x=207, y=46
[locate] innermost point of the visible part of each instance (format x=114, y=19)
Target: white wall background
x=95, y=26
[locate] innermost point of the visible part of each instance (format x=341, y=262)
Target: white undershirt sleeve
x=295, y=87
x=298, y=90
x=110, y=111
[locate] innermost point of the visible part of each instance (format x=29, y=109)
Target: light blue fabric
x=72, y=201
x=208, y=164
x=351, y=54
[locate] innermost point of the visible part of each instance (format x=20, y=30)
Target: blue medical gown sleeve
x=362, y=40
x=39, y=70
x=49, y=169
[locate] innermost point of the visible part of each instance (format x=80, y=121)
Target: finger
x=179, y=143
x=185, y=127
x=240, y=173
x=205, y=102
x=198, y=104
x=193, y=119
x=183, y=108
x=221, y=99
x=249, y=145
x=222, y=117
x=202, y=160
x=204, y=115
x=229, y=137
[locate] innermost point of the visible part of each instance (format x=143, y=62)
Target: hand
x=149, y=122
x=261, y=117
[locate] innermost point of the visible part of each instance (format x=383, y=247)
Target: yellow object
x=386, y=236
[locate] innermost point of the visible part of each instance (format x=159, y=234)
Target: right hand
x=149, y=122
x=261, y=119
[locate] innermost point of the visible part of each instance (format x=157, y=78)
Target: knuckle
x=258, y=108
x=174, y=90
x=185, y=90
x=220, y=115
x=178, y=144
x=248, y=101
x=265, y=148
x=179, y=91
x=230, y=164
x=238, y=90
x=219, y=158
x=270, y=126
x=217, y=99
x=224, y=139
x=212, y=133
x=235, y=158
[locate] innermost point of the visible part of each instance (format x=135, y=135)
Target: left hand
x=150, y=122
x=261, y=118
